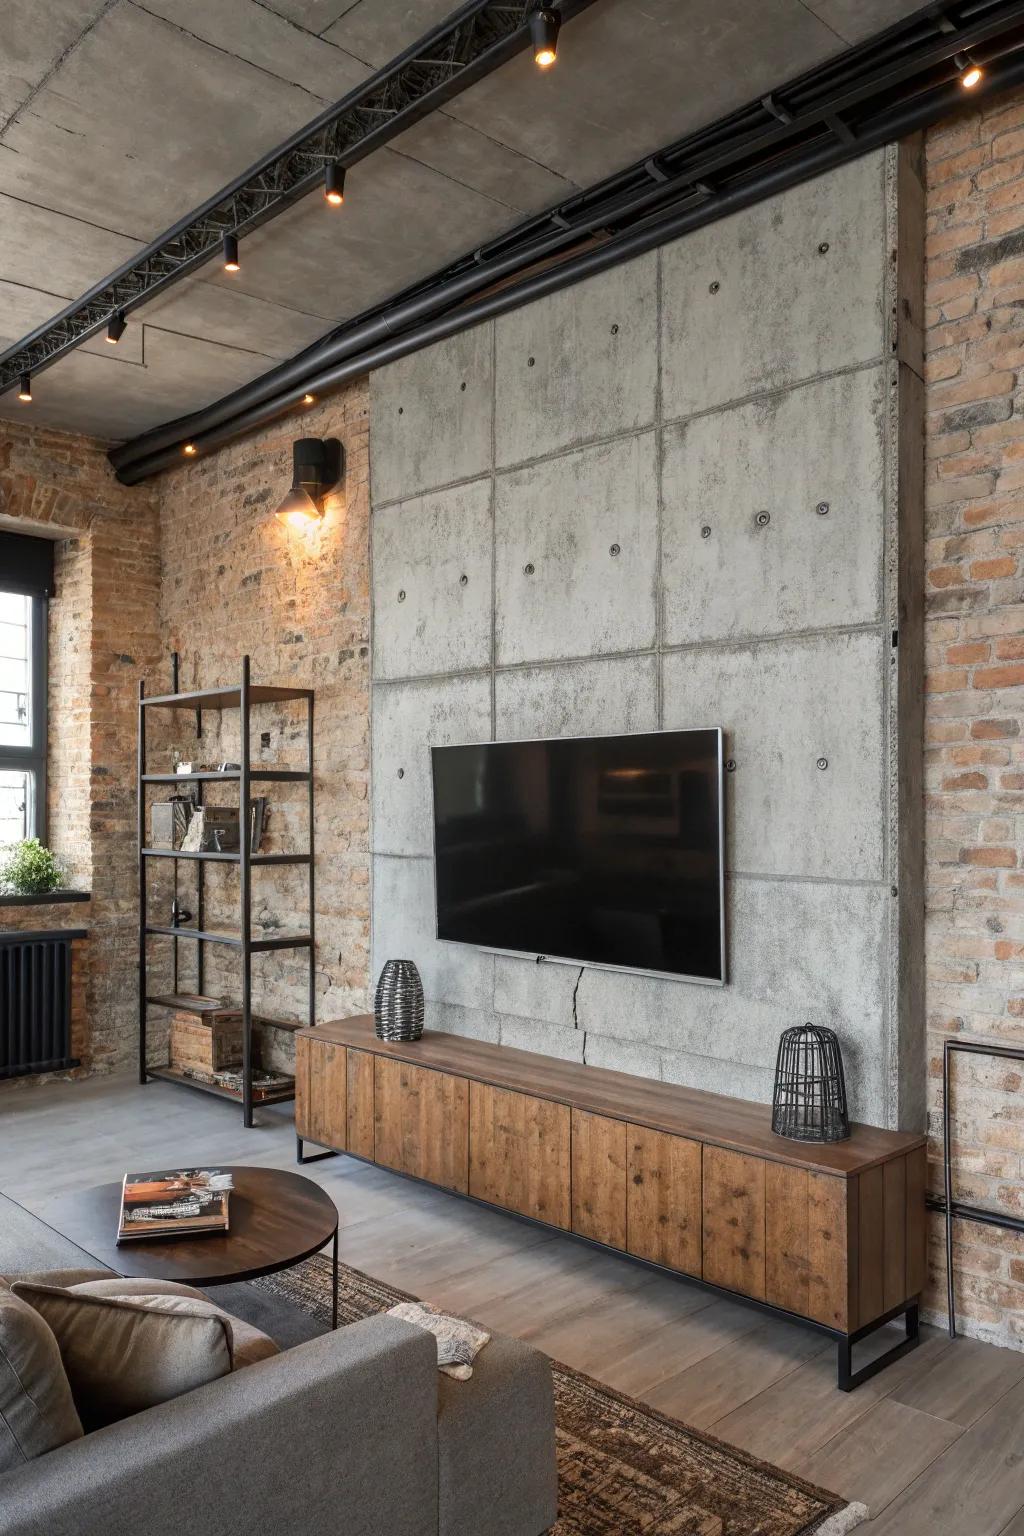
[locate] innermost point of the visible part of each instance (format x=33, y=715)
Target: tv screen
x=600, y=850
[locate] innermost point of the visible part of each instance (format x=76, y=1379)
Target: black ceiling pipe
x=802, y=166
x=842, y=83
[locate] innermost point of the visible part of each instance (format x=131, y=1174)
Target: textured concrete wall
x=566, y=539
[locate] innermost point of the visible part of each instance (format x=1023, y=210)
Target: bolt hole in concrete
x=401, y=773
x=463, y=581
x=615, y=330
x=822, y=508
x=714, y=287
x=615, y=549
x=705, y=532
x=530, y=362
x=401, y=597
x=401, y=410
x=462, y=386
x=763, y=519
x=730, y=765
x=528, y=568
x=823, y=248
x=822, y=763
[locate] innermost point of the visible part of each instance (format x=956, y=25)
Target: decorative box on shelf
x=209, y=1042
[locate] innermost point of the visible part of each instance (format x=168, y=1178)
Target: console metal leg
x=310, y=1157
x=847, y=1378
x=334, y=1281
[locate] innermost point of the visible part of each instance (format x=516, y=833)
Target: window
x=22, y=717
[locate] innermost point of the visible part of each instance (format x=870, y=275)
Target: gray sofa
x=354, y=1433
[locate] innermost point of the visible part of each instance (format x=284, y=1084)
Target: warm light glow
x=970, y=78
x=335, y=198
x=25, y=395
x=300, y=520
x=544, y=58
x=232, y=266
x=190, y=449
x=309, y=399
x=25, y=388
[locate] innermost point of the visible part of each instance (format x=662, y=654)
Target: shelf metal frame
x=243, y=698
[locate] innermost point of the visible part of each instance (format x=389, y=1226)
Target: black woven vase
x=809, y=1103
x=398, y=1005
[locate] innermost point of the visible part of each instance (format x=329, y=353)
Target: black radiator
x=35, y=1002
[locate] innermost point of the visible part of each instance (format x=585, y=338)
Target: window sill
x=46, y=899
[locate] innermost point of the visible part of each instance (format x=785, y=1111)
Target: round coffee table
x=277, y=1220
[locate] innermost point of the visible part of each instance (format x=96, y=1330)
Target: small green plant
x=30, y=869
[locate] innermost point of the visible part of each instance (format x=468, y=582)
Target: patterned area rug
x=624, y=1469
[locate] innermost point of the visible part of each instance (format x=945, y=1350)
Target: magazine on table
x=181, y=1202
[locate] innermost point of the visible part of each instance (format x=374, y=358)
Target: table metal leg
x=334, y=1280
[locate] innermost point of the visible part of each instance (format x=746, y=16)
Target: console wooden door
x=421, y=1122
x=599, y=1178
x=663, y=1190
x=734, y=1218
x=519, y=1153
x=320, y=1092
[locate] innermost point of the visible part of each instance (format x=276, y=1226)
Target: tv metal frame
x=598, y=965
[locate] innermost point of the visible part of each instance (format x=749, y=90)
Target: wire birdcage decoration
x=809, y=1103
x=398, y=1004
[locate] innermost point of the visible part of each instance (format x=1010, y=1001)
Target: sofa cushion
x=248, y=1343
x=124, y=1355
x=37, y=1410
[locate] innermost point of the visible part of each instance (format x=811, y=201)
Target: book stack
x=184, y=1202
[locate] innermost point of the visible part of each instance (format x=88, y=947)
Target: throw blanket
x=458, y=1342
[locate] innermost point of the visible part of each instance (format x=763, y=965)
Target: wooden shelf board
x=185, y=1003
x=172, y=1075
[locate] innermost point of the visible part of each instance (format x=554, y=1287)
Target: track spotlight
x=334, y=184
x=25, y=388
x=544, y=26
x=116, y=327
x=970, y=74
x=231, y=261
x=317, y=465
x=190, y=449
x=309, y=399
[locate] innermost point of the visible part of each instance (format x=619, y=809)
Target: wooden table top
x=277, y=1219
x=735, y=1124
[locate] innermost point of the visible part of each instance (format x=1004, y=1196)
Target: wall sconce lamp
x=318, y=467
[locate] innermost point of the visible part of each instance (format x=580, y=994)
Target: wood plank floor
x=931, y=1446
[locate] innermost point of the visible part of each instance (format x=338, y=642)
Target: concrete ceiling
x=117, y=117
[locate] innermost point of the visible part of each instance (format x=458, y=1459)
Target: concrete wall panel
x=585, y=698
x=431, y=415
x=789, y=456
x=783, y=309
x=582, y=364
x=404, y=928
x=798, y=951
x=787, y=706
x=432, y=583
x=407, y=720
x=560, y=590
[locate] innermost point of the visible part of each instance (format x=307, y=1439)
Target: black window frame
x=32, y=758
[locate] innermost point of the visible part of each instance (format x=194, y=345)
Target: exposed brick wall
x=102, y=635
x=975, y=681
x=236, y=581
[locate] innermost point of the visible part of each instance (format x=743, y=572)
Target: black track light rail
x=477, y=38
x=901, y=81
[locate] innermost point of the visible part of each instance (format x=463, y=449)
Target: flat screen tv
x=595, y=850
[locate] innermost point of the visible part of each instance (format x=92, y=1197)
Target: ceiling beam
x=474, y=40
x=901, y=81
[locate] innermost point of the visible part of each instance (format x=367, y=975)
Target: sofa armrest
x=335, y=1436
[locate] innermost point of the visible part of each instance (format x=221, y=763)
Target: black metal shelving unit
x=243, y=698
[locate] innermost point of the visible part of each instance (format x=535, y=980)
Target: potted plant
x=30, y=869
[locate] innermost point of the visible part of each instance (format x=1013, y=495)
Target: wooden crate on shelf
x=209, y=1042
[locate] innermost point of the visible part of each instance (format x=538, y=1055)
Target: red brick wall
x=102, y=635
x=236, y=581
x=975, y=682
